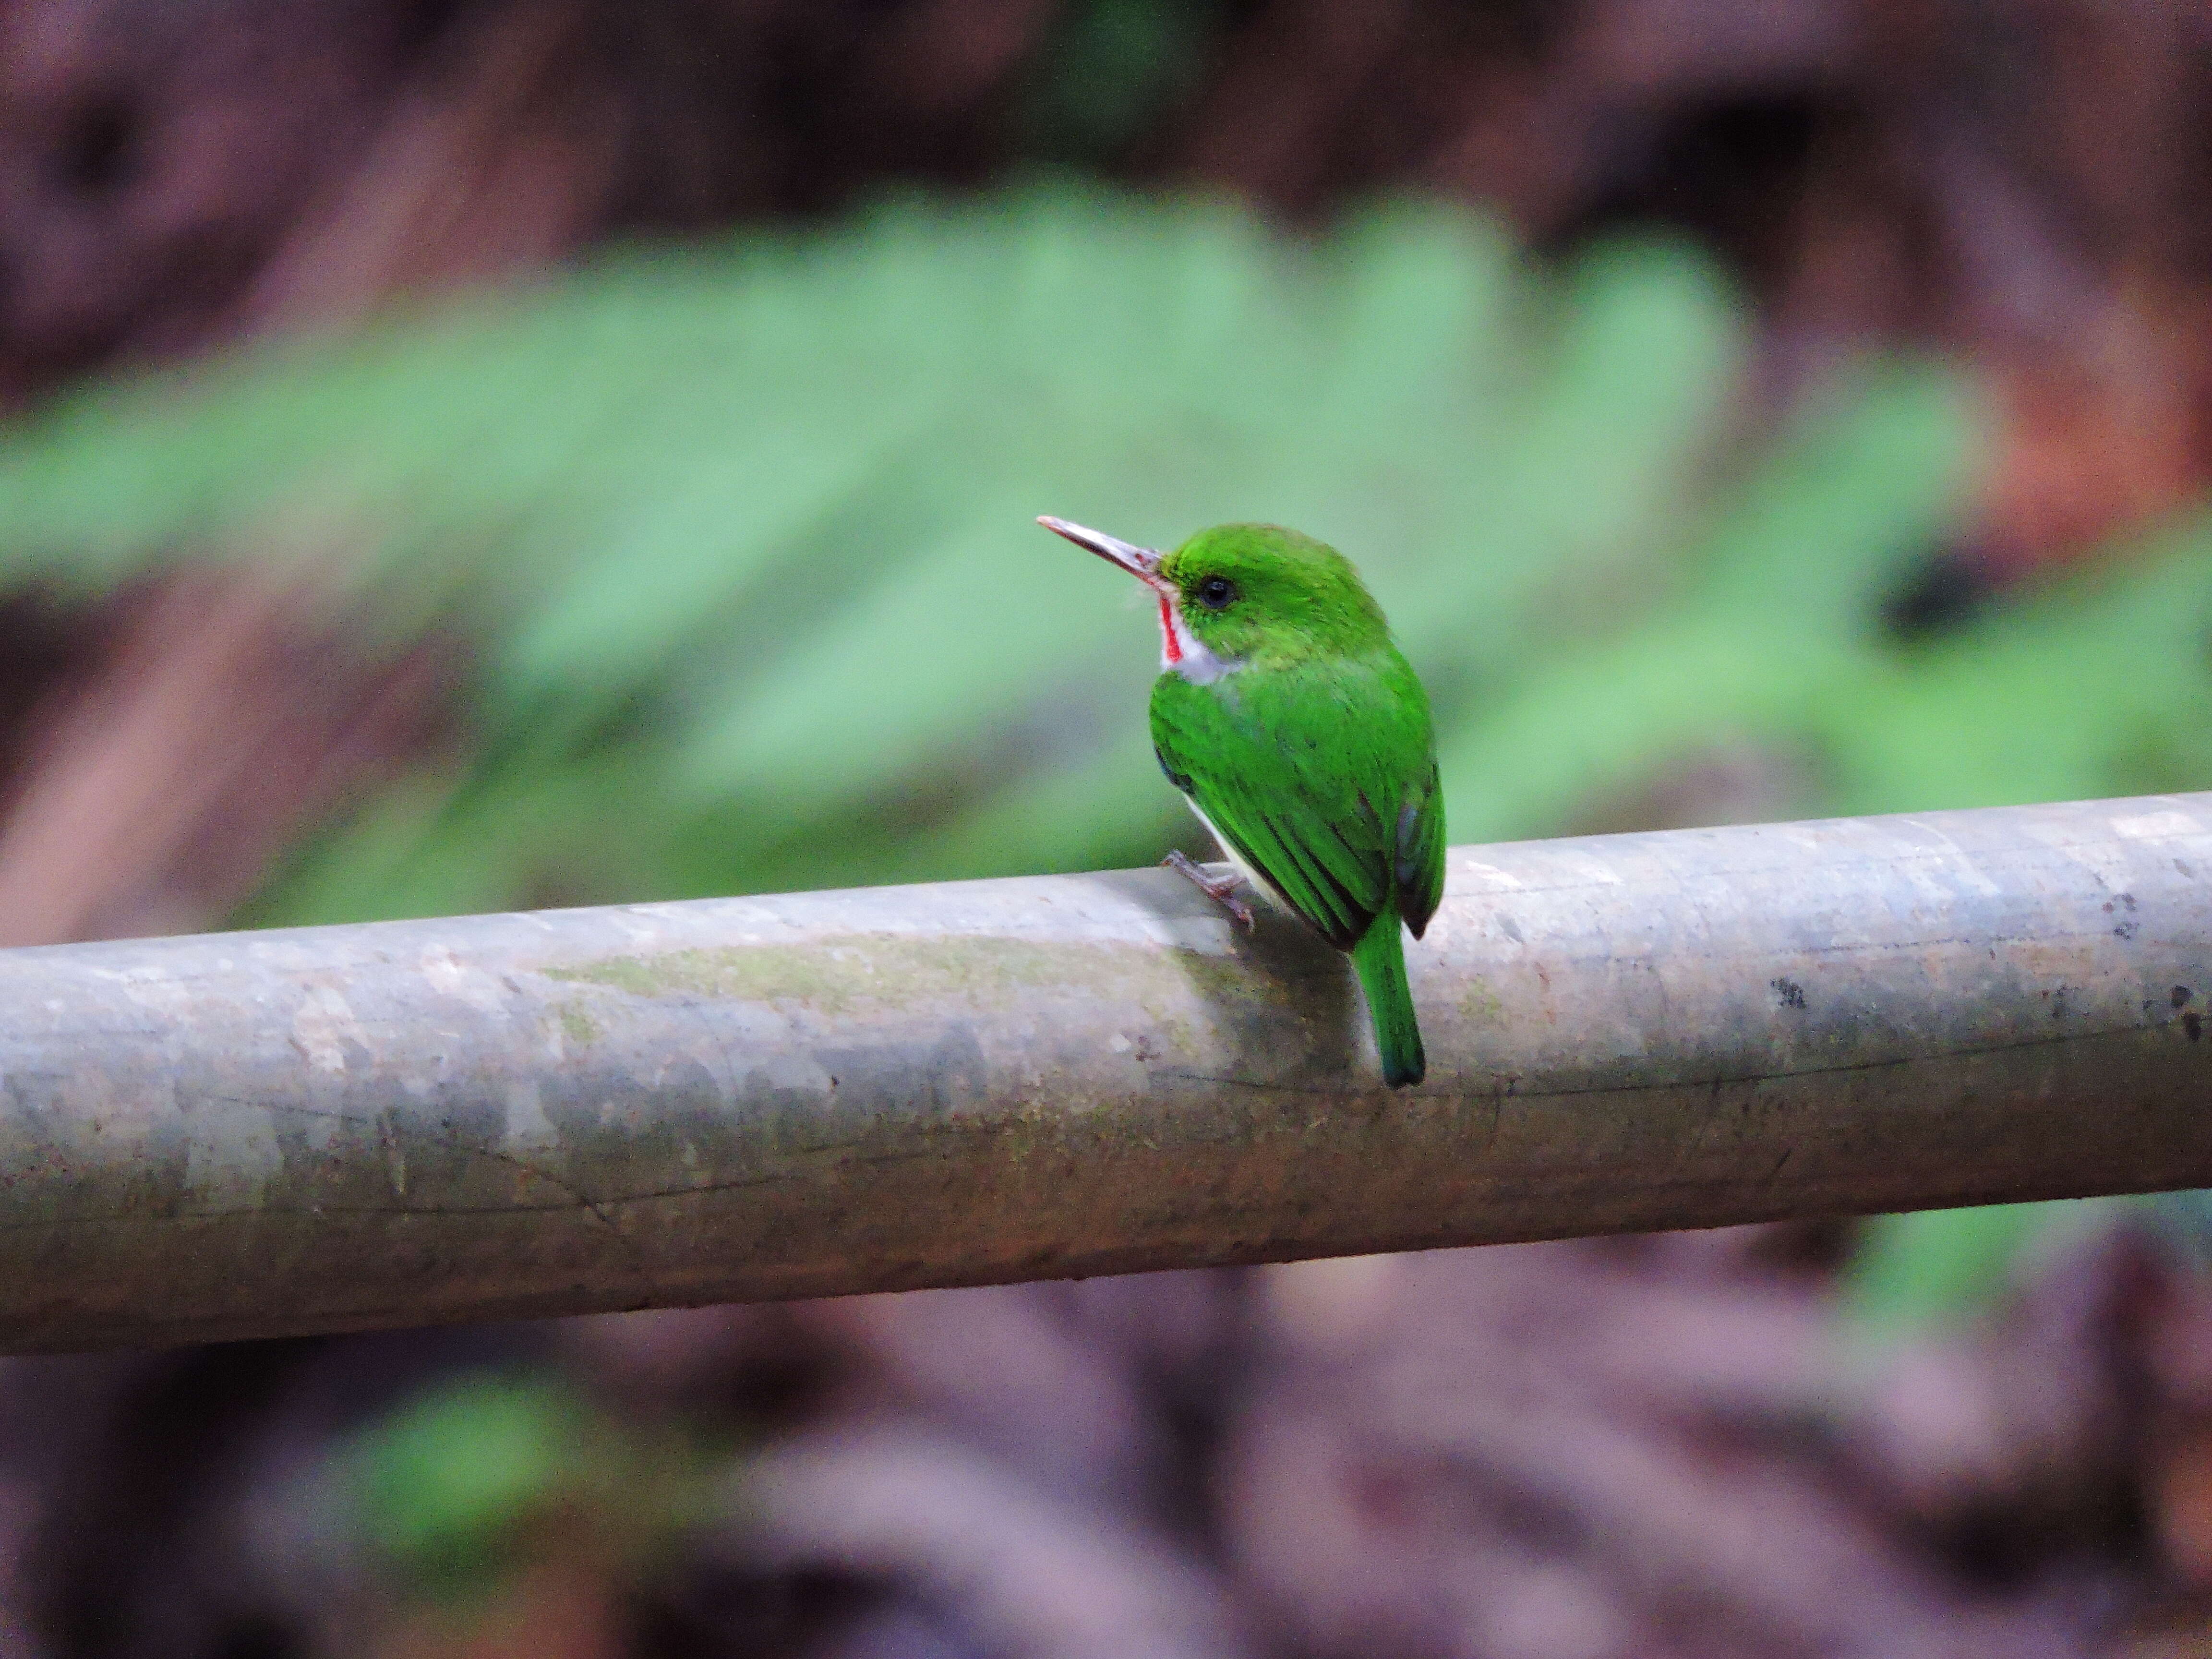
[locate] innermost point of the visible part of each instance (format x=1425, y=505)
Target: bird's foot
x=1222, y=890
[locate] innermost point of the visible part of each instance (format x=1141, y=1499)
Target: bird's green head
x=1244, y=591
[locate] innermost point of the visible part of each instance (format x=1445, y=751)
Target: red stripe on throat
x=1170, y=647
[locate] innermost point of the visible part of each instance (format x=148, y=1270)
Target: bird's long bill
x=1142, y=563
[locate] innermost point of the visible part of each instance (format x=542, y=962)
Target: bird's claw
x=1222, y=890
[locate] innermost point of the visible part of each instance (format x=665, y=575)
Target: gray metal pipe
x=250, y=1134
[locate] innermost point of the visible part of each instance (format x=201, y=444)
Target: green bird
x=1300, y=736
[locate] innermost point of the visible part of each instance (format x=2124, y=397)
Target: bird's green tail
x=1380, y=960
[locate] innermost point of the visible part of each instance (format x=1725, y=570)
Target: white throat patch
x=1183, y=652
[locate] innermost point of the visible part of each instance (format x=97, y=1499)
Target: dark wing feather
x=1419, y=869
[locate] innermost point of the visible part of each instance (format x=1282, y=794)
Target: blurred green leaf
x=1110, y=70
x=744, y=535
x=447, y=1487
x=1930, y=1266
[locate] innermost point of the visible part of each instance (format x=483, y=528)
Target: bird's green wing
x=1336, y=885
x=1307, y=777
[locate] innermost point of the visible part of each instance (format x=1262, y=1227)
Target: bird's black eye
x=1217, y=592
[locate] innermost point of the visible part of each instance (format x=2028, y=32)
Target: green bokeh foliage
x=743, y=535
